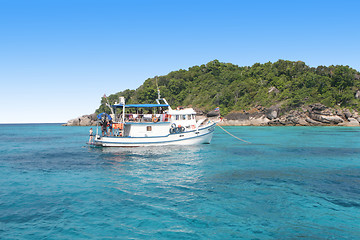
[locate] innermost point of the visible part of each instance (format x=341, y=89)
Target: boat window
x=189, y=117
x=194, y=116
x=183, y=117
x=148, y=128
x=177, y=117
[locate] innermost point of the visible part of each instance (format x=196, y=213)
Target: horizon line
x=34, y=123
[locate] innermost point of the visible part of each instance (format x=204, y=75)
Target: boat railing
x=118, y=126
x=133, y=117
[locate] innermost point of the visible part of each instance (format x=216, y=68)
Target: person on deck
x=104, y=128
x=110, y=128
x=91, y=135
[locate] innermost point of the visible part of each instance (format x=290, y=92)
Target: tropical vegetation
x=291, y=84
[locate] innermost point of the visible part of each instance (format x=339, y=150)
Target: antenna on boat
x=158, y=89
x=108, y=104
x=159, y=96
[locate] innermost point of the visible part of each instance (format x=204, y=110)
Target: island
x=270, y=94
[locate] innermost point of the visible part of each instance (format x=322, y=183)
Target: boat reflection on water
x=158, y=164
x=153, y=153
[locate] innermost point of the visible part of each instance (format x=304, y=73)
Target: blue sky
x=58, y=57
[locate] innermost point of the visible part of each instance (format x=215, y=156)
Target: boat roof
x=140, y=105
x=182, y=111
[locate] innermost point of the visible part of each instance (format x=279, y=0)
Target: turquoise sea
x=290, y=183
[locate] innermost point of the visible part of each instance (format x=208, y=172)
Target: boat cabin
x=151, y=120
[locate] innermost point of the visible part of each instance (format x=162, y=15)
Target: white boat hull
x=201, y=136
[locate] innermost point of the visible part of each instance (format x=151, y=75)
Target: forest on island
x=232, y=88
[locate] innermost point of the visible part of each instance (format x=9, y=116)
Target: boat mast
x=122, y=101
x=158, y=89
x=108, y=104
x=159, y=96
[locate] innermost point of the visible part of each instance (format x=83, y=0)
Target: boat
x=136, y=125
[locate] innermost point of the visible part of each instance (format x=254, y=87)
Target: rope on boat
x=232, y=134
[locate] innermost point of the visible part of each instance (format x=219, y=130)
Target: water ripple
x=291, y=183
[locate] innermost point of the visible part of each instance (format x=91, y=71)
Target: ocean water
x=289, y=183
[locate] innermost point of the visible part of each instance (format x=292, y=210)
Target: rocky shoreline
x=312, y=115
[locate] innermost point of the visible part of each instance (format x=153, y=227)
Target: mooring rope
x=232, y=134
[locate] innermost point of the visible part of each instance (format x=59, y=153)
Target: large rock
x=333, y=119
x=347, y=113
x=244, y=119
x=198, y=111
x=357, y=94
x=317, y=110
x=273, y=90
x=227, y=122
x=238, y=116
x=339, y=112
x=272, y=112
x=292, y=120
x=276, y=122
x=352, y=122
x=318, y=118
x=213, y=114
x=318, y=107
x=303, y=122
x=85, y=121
x=313, y=122
x=73, y=122
x=258, y=121
x=93, y=117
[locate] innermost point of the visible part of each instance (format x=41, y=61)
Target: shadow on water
x=301, y=151
x=340, y=187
